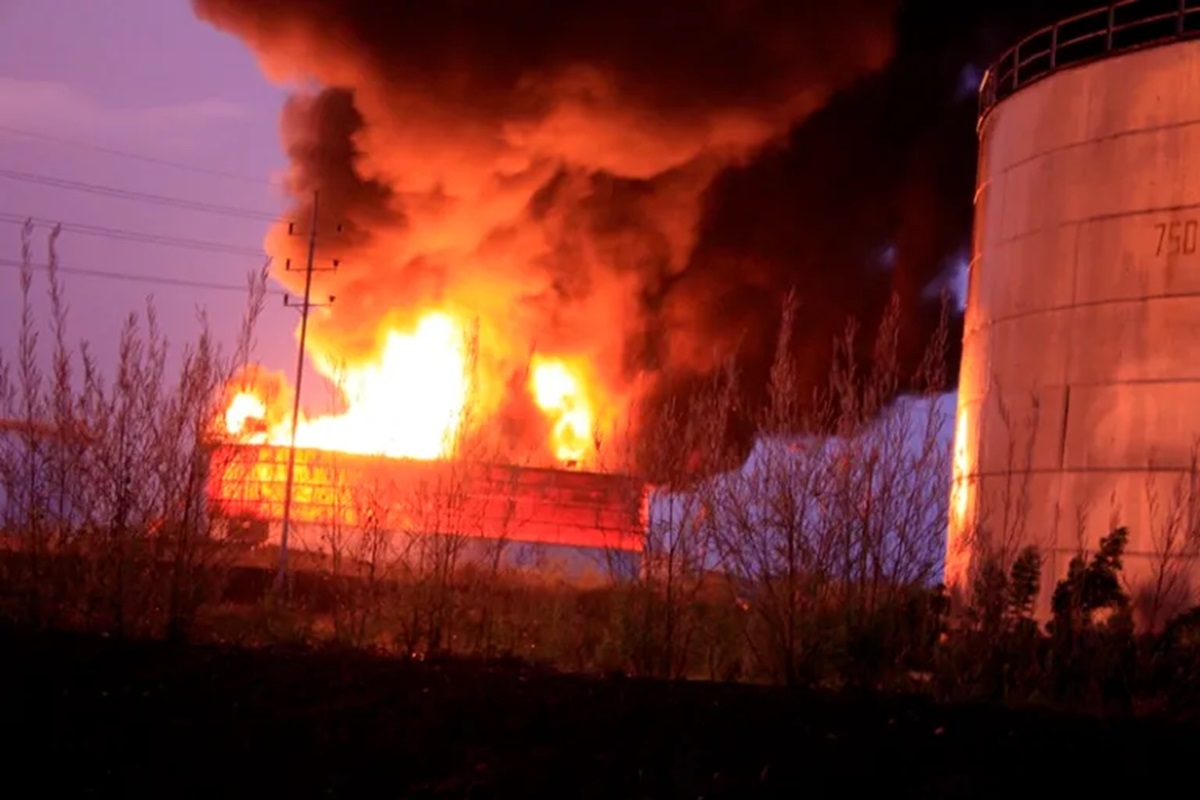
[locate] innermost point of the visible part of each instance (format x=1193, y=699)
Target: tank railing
x=1118, y=27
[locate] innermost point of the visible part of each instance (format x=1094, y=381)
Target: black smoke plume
x=631, y=183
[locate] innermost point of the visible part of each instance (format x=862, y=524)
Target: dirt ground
x=92, y=716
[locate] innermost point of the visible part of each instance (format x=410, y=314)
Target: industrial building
x=1080, y=383
x=565, y=522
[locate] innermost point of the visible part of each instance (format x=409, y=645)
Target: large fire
x=414, y=399
x=412, y=403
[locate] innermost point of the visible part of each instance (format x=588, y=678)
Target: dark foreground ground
x=90, y=716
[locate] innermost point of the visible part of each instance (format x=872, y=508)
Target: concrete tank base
x=1079, y=401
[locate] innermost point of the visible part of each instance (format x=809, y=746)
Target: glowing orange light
x=410, y=401
x=559, y=393
x=493, y=502
x=959, y=490
x=958, y=552
x=409, y=404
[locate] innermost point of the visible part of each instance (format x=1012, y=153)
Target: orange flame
x=558, y=392
x=411, y=401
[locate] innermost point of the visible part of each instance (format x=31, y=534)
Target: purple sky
x=143, y=77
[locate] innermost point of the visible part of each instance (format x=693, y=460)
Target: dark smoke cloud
x=636, y=183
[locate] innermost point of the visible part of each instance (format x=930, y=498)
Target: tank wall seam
x=1105, y=384
x=1116, y=301
x=1138, y=469
x=1138, y=554
x=1105, y=217
x=1064, y=148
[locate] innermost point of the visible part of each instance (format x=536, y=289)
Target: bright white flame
x=409, y=404
x=243, y=408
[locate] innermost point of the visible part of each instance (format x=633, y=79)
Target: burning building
x=553, y=221
x=408, y=460
x=351, y=505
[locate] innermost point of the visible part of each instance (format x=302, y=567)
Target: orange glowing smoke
x=412, y=400
x=577, y=176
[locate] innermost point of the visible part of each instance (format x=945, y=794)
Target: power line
x=143, y=197
x=95, y=148
x=120, y=234
x=133, y=278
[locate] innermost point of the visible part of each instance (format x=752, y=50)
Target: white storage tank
x=1079, y=399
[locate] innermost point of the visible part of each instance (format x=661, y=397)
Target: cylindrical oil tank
x=1079, y=399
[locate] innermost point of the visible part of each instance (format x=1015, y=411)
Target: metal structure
x=1081, y=353
x=1116, y=28
x=306, y=305
x=342, y=495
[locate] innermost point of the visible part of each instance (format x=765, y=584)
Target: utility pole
x=305, y=306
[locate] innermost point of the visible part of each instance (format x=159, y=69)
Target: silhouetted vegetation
x=816, y=565
x=102, y=477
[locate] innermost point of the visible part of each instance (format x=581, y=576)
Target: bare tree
x=497, y=588
x=675, y=442
x=768, y=526
x=105, y=482
x=184, y=530
x=439, y=514
x=1175, y=544
x=996, y=533
x=357, y=535
x=833, y=536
